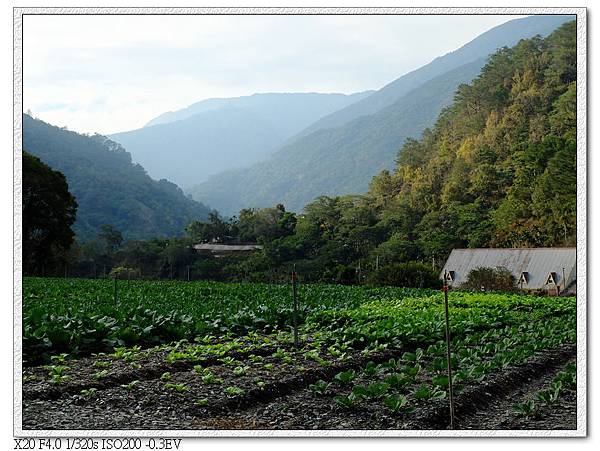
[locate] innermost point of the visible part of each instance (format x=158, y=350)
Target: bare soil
x=277, y=397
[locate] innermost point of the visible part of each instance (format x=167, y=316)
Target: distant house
x=539, y=269
x=221, y=250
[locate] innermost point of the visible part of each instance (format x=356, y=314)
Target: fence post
x=449, y=355
x=115, y=290
x=295, y=295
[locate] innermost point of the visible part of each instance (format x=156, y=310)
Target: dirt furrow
x=484, y=406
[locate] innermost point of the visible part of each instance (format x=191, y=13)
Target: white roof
x=537, y=262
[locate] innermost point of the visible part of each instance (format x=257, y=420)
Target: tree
x=49, y=211
x=111, y=237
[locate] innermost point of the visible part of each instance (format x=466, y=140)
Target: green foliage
x=130, y=385
x=48, y=213
x=319, y=387
x=490, y=279
x=347, y=401
x=526, y=409
x=108, y=186
x=240, y=370
x=235, y=391
x=79, y=317
x=410, y=274
x=396, y=403
x=210, y=378
x=89, y=392
x=177, y=387
x=345, y=377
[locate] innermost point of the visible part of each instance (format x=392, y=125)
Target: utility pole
x=377, y=263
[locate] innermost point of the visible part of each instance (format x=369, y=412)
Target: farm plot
x=82, y=316
x=376, y=361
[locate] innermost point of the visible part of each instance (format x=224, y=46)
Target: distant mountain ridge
x=108, y=187
x=340, y=153
x=213, y=135
x=330, y=161
x=266, y=103
x=505, y=35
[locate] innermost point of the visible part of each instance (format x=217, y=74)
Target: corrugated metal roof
x=537, y=262
x=226, y=247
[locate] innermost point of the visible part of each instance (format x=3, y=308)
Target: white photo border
x=582, y=288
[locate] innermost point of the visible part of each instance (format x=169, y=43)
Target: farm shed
x=219, y=250
x=534, y=268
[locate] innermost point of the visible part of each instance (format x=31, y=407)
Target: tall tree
x=49, y=211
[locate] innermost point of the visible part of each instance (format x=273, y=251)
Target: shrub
x=491, y=279
x=412, y=274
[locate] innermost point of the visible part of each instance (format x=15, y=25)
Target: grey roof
x=537, y=262
x=226, y=247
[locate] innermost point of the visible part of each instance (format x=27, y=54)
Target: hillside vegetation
x=108, y=187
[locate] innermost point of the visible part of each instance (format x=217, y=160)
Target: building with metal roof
x=226, y=249
x=546, y=269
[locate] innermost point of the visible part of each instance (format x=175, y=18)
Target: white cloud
x=114, y=73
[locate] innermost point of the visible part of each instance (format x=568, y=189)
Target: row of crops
x=79, y=317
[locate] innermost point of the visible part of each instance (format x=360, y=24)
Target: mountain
x=321, y=163
x=286, y=109
x=341, y=153
x=108, y=187
x=214, y=135
x=497, y=169
x=505, y=35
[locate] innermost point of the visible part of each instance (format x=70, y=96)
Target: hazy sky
x=113, y=73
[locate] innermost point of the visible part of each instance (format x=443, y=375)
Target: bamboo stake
x=449, y=356
x=295, y=295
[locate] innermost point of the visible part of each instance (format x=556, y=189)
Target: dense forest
x=498, y=168
x=108, y=187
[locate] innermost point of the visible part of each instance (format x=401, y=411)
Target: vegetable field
x=205, y=355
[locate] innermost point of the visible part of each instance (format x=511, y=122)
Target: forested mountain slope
x=341, y=153
x=338, y=160
x=505, y=35
x=214, y=135
x=498, y=169
x=108, y=187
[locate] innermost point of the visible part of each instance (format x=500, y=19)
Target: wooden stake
x=449, y=356
x=295, y=295
x=115, y=290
